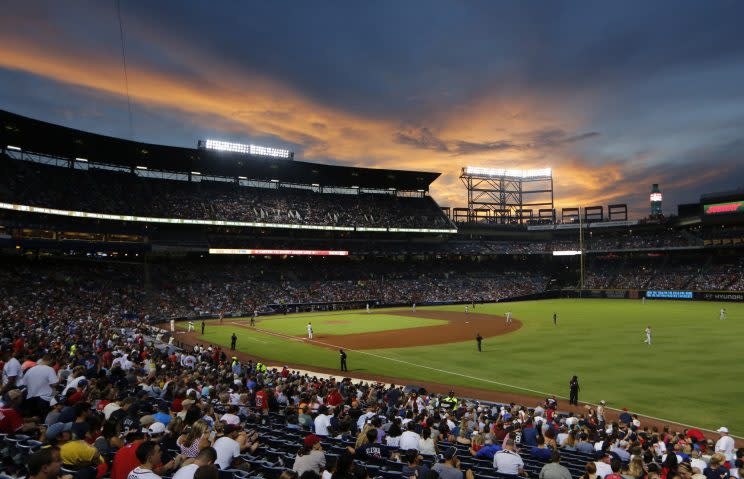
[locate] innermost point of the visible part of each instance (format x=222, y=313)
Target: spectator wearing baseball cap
x=310, y=457
x=725, y=445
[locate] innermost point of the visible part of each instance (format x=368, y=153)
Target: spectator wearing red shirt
x=262, y=400
x=334, y=398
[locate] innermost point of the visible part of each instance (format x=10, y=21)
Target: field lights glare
x=84, y=160
x=16, y=148
x=141, y=167
x=255, y=150
x=504, y=172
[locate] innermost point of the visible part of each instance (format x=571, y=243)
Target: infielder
x=508, y=317
x=191, y=325
x=173, y=325
x=309, y=331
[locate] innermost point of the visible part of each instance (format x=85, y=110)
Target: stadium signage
x=273, y=252
x=187, y=221
x=669, y=294
x=722, y=208
x=722, y=296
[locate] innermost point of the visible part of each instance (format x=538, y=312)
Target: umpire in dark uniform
x=573, y=396
x=342, y=353
x=479, y=339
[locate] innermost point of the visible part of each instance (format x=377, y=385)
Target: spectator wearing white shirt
x=149, y=455
x=725, y=445
x=603, y=465
x=206, y=457
x=11, y=371
x=322, y=422
x=227, y=447
x=409, y=439
x=507, y=460
x=39, y=380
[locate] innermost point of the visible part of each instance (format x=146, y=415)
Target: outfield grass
x=342, y=323
x=689, y=375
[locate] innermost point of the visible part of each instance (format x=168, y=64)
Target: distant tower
x=655, y=198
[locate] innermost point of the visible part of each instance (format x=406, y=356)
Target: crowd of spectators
x=124, y=193
x=191, y=289
x=693, y=275
x=92, y=391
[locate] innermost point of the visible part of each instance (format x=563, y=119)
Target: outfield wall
x=678, y=295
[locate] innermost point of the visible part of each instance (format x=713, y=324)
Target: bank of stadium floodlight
x=141, y=167
x=247, y=149
x=315, y=185
x=505, y=172
x=274, y=181
x=196, y=173
x=242, y=177
x=566, y=253
x=15, y=148
x=82, y=160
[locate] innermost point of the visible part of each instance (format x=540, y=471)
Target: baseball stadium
x=243, y=307
x=405, y=289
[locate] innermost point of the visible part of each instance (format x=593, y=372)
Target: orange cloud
x=260, y=105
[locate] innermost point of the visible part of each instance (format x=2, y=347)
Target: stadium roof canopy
x=36, y=136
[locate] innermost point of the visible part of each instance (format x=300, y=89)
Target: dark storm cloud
x=526, y=83
x=421, y=138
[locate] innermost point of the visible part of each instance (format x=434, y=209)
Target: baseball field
x=688, y=375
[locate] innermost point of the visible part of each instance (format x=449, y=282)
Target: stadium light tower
x=247, y=149
x=508, y=195
x=655, y=198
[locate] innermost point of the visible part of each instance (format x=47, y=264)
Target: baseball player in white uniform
x=648, y=336
x=309, y=331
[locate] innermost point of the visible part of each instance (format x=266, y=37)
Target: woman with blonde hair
x=197, y=438
x=635, y=468
x=569, y=444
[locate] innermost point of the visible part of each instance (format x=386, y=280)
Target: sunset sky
x=613, y=96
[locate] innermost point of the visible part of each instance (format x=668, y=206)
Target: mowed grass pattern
x=342, y=323
x=689, y=375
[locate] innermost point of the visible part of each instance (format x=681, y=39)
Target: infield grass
x=689, y=374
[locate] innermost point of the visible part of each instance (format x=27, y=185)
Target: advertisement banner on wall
x=720, y=296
